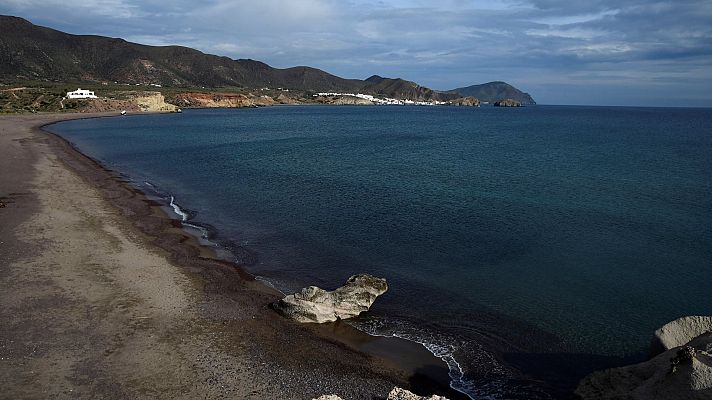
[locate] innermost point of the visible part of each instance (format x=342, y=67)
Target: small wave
x=204, y=232
x=179, y=211
x=269, y=283
x=445, y=352
x=452, y=350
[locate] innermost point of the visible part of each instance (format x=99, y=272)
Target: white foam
x=445, y=353
x=267, y=282
x=182, y=214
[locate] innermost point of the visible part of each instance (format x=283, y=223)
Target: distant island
x=33, y=56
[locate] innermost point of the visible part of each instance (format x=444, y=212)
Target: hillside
x=30, y=52
x=33, y=52
x=402, y=89
x=494, y=91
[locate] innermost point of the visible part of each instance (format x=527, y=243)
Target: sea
x=526, y=247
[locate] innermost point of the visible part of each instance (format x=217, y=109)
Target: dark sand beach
x=103, y=295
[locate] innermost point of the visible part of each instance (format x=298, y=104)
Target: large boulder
x=679, y=332
x=402, y=394
x=683, y=372
x=313, y=304
x=395, y=394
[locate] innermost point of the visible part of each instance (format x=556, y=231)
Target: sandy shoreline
x=102, y=295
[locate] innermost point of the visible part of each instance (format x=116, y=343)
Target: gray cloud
x=599, y=51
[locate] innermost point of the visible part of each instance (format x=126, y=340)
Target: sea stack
x=314, y=304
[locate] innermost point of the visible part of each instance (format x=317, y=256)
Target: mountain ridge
x=33, y=52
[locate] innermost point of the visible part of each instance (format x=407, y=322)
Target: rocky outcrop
x=681, y=372
x=402, y=394
x=507, y=103
x=343, y=100
x=132, y=102
x=100, y=105
x=221, y=100
x=395, y=394
x=152, y=102
x=465, y=101
x=313, y=304
x=679, y=332
x=284, y=99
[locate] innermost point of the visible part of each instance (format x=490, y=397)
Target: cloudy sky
x=602, y=52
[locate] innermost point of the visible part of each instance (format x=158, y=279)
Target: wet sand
x=102, y=295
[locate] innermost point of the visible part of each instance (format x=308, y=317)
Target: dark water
x=550, y=240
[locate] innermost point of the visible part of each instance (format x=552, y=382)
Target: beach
x=102, y=295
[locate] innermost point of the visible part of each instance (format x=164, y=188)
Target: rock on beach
x=682, y=371
x=314, y=304
x=395, y=394
x=679, y=332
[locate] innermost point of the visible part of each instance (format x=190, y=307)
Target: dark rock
x=507, y=103
x=465, y=101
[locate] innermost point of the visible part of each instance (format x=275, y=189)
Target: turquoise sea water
x=550, y=240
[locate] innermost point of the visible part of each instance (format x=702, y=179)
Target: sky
x=595, y=52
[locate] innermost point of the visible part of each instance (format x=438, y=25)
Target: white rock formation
x=682, y=372
x=395, y=394
x=679, y=332
x=313, y=304
x=402, y=394
x=153, y=102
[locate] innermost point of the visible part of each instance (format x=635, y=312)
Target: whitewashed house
x=81, y=94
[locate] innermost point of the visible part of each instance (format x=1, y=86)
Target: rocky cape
x=680, y=369
x=495, y=91
x=314, y=304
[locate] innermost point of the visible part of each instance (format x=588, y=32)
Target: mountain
x=401, y=89
x=494, y=91
x=29, y=51
x=32, y=52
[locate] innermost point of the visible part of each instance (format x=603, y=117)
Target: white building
x=81, y=94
